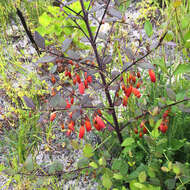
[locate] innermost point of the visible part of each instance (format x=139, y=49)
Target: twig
x=28, y=32
x=147, y=112
x=135, y=62
x=100, y=23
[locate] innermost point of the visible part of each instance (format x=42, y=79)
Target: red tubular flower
x=138, y=74
x=128, y=91
x=81, y=88
x=125, y=98
x=163, y=127
x=145, y=131
x=138, y=85
x=86, y=83
x=71, y=125
x=68, y=106
x=68, y=133
x=98, y=123
x=78, y=78
x=89, y=79
x=74, y=81
x=135, y=130
x=88, y=125
x=136, y=92
x=81, y=132
x=152, y=75
x=53, y=80
x=72, y=100
x=52, y=116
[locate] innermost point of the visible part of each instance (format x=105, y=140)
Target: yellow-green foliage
x=147, y=9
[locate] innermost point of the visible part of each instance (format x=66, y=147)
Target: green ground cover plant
x=136, y=102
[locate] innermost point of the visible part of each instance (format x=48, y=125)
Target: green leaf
x=155, y=132
x=170, y=183
x=182, y=68
x=102, y=161
x=83, y=162
x=142, y=177
x=94, y=165
x=44, y=19
x=118, y=176
x=88, y=151
x=107, y=183
x=148, y=28
x=128, y=141
x=169, y=36
x=56, y=166
x=75, y=144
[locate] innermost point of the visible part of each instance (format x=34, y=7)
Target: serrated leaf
x=106, y=181
x=46, y=59
x=93, y=165
x=148, y=28
x=128, y=141
x=39, y=40
x=66, y=44
x=29, y=102
x=88, y=151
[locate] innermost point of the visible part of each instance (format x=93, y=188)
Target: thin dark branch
x=100, y=23
x=28, y=32
x=135, y=62
x=108, y=40
x=147, y=112
x=61, y=3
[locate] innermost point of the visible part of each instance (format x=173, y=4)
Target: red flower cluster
x=164, y=124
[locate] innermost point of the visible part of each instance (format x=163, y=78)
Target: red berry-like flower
x=138, y=85
x=88, y=125
x=136, y=92
x=81, y=88
x=163, y=127
x=89, y=79
x=53, y=80
x=145, y=131
x=70, y=62
x=86, y=83
x=52, y=116
x=135, y=130
x=125, y=98
x=98, y=123
x=81, y=132
x=74, y=81
x=138, y=74
x=140, y=134
x=128, y=91
x=71, y=125
x=78, y=78
x=68, y=106
x=72, y=100
x=99, y=112
x=152, y=75
x=68, y=133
